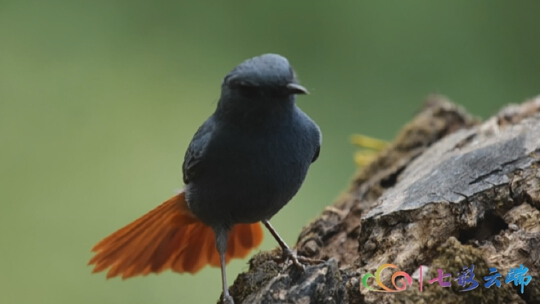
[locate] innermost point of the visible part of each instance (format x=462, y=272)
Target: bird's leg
x=287, y=253
x=221, y=246
x=227, y=299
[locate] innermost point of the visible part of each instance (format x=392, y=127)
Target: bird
x=244, y=163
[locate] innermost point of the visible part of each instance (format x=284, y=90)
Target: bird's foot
x=297, y=260
x=227, y=299
x=287, y=253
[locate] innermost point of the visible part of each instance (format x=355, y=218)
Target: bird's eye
x=240, y=83
x=233, y=81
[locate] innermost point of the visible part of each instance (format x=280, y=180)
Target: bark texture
x=449, y=192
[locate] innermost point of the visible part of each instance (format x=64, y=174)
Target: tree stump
x=448, y=193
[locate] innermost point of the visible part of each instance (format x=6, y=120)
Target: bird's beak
x=295, y=88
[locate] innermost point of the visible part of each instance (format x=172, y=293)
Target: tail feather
x=213, y=255
x=247, y=237
x=242, y=239
x=169, y=237
x=193, y=260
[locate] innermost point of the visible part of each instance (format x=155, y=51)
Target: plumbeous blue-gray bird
x=246, y=161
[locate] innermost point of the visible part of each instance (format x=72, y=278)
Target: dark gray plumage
x=251, y=156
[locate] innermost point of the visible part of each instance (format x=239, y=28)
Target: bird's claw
x=297, y=260
x=307, y=260
x=288, y=254
x=227, y=299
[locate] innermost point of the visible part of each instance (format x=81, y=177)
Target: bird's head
x=269, y=76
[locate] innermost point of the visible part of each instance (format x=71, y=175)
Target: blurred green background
x=99, y=100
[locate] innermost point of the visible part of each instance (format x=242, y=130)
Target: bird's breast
x=248, y=175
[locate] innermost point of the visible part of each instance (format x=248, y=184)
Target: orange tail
x=169, y=236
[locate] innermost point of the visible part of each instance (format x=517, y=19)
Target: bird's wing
x=312, y=132
x=316, y=154
x=196, y=149
x=317, y=131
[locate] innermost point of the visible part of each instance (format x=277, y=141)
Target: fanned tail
x=169, y=237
